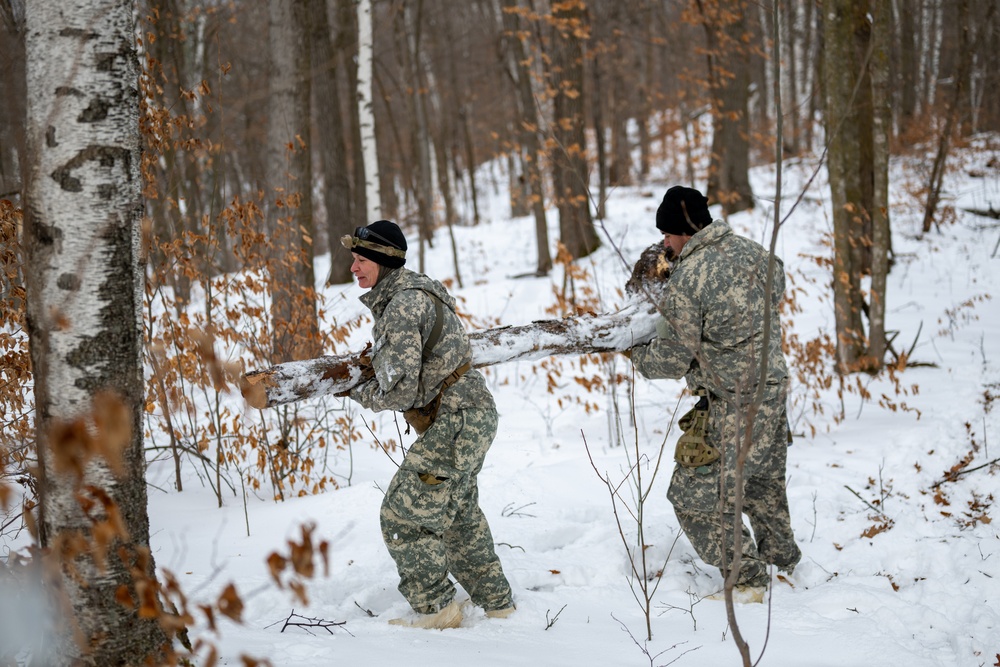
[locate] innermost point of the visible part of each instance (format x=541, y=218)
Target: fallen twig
x=307, y=623
x=549, y=622
x=952, y=476
x=882, y=512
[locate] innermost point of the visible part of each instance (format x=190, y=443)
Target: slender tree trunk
x=601, y=164
x=576, y=229
x=423, y=191
x=620, y=169
x=645, y=108
x=337, y=196
x=881, y=129
x=448, y=111
x=790, y=20
x=365, y=92
x=951, y=117
x=907, y=67
x=814, y=75
x=729, y=179
x=83, y=211
x=293, y=282
x=842, y=19
x=12, y=154
x=529, y=127
x=470, y=158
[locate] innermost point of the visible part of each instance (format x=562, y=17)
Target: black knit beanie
x=382, y=242
x=683, y=211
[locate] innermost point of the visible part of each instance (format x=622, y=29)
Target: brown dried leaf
x=874, y=530
x=209, y=615
x=124, y=598
x=276, y=565
x=230, y=604
x=113, y=421
x=324, y=551
x=149, y=606
x=299, y=589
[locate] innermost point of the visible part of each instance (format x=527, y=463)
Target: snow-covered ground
x=925, y=590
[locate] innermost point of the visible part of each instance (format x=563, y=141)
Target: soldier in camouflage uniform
x=430, y=517
x=711, y=333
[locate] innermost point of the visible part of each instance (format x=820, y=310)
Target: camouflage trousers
x=431, y=520
x=703, y=497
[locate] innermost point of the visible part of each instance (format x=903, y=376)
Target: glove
x=364, y=361
x=662, y=327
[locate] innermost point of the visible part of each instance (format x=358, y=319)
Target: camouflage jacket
x=404, y=314
x=713, y=317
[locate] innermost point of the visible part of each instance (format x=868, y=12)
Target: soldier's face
x=365, y=270
x=675, y=242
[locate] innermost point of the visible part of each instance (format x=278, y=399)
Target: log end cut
x=650, y=273
x=254, y=387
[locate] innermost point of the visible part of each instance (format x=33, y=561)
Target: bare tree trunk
x=337, y=196
x=645, y=109
x=814, y=60
x=421, y=140
x=729, y=178
x=620, y=169
x=576, y=229
x=881, y=129
x=447, y=111
x=789, y=46
x=12, y=155
x=951, y=117
x=293, y=282
x=521, y=71
x=601, y=164
x=83, y=211
x=365, y=92
x=848, y=132
x=470, y=158
x=907, y=63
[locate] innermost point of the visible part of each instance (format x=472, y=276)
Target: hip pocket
x=425, y=498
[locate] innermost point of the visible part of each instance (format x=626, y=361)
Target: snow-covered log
x=633, y=324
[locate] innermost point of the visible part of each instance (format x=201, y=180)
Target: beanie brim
x=382, y=242
x=380, y=258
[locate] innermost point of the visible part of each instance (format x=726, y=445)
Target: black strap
x=433, y=339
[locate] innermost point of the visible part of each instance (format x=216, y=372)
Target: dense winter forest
x=174, y=177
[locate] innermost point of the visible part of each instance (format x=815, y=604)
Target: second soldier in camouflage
x=712, y=334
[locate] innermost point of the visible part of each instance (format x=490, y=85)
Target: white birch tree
x=366, y=109
x=83, y=209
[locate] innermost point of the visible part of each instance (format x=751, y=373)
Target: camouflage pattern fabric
x=712, y=335
x=430, y=517
x=703, y=497
x=431, y=520
x=404, y=316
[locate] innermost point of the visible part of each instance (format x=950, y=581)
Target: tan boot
x=742, y=595
x=501, y=613
x=449, y=617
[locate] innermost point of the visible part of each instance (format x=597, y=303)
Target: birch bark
x=83, y=209
x=366, y=109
